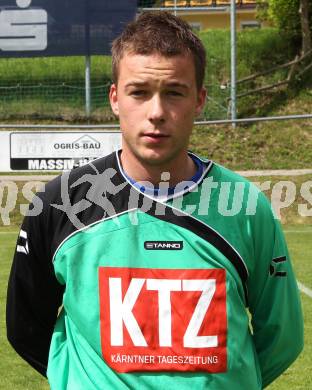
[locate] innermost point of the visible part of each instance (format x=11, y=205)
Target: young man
x=154, y=273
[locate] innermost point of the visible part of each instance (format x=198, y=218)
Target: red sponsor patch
x=163, y=320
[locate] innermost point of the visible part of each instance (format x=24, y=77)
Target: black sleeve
x=34, y=294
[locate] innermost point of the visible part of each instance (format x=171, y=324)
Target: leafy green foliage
x=284, y=14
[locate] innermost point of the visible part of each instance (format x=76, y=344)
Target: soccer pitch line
x=304, y=289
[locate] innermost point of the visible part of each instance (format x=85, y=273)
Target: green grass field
x=15, y=374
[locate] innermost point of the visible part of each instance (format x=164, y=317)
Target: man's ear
x=201, y=100
x=114, y=99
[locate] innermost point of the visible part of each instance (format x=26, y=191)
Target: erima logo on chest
x=163, y=245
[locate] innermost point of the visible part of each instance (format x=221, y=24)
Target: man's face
x=156, y=99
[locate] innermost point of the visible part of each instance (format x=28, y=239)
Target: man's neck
x=182, y=168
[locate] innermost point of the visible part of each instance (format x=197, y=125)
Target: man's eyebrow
x=171, y=84
x=136, y=84
x=177, y=84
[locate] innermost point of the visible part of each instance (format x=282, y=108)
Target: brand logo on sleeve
x=163, y=245
x=163, y=320
x=275, y=267
x=22, y=243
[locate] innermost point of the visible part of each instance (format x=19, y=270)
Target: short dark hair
x=163, y=33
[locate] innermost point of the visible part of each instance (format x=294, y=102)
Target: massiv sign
x=30, y=28
x=54, y=151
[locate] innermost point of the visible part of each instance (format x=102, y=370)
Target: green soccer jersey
x=193, y=290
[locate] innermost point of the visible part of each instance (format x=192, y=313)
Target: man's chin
x=153, y=160
x=156, y=157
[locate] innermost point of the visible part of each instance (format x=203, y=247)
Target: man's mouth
x=154, y=135
x=152, y=138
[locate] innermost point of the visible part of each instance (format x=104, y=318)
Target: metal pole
x=233, y=62
x=88, y=85
x=87, y=61
x=175, y=7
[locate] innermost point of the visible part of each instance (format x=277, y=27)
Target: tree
x=292, y=17
x=305, y=26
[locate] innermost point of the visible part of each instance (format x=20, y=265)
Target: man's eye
x=138, y=93
x=175, y=93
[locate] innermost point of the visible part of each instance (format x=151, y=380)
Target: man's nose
x=156, y=109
